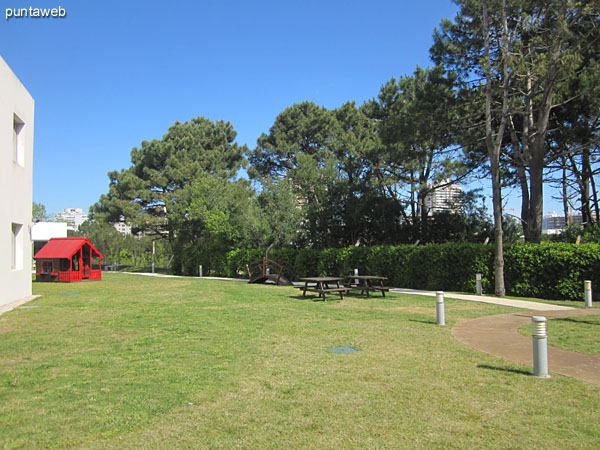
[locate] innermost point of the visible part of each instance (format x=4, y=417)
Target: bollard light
x=587, y=287
x=200, y=271
x=479, y=287
x=540, y=347
x=439, y=307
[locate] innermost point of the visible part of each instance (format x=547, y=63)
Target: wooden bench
x=321, y=286
x=382, y=289
x=367, y=283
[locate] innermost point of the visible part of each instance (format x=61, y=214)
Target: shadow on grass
x=504, y=369
x=589, y=322
x=315, y=298
x=427, y=321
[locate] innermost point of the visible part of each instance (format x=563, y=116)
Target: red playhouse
x=68, y=259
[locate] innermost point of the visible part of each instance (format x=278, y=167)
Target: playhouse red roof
x=64, y=247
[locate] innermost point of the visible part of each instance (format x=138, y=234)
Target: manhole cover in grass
x=342, y=350
x=69, y=293
x=28, y=307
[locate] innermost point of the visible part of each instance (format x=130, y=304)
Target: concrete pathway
x=523, y=304
x=162, y=275
x=498, y=336
x=12, y=305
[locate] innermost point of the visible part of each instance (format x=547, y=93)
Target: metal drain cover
x=342, y=350
x=69, y=293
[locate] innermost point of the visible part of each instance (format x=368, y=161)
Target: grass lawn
x=138, y=362
x=572, y=333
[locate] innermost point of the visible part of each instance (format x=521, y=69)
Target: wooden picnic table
x=322, y=285
x=367, y=283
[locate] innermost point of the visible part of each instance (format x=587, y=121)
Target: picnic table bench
x=322, y=285
x=367, y=283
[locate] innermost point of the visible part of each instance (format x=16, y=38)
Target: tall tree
x=323, y=154
x=303, y=128
x=417, y=153
x=477, y=44
x=540, y=46
x=154, y=194
x=522, y=53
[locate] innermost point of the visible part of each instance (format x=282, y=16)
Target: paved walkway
x=162, y=275
x=498, y=335
x=12, y=305
x=523, y=304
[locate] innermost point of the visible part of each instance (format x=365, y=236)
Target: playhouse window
x=47, y=267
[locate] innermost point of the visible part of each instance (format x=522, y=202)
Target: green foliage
x=134, y=251
x=222, y=215
x=326, y=157
x=307, y=262
x=540, y=57
x=154, y=193
x=549, y=271
x=38, y=213
x=416, y=154
x=281, y=217
x=588, y=234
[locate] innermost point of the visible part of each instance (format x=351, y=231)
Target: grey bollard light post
x=587, y=287
x=540, y=347
x=200, y=271
x=479, y=287
x=439, y=308
x=153, y=257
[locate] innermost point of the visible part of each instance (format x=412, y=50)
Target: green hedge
x=549, y=270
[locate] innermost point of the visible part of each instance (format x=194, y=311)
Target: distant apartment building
x=16, y=183
x=445, y=196
x=74, y=217
x=123, y=227
x=554, y=223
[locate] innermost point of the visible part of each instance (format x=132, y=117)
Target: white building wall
x=16, y=185
x=44, y=231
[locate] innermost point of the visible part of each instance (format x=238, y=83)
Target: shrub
x=549, y=271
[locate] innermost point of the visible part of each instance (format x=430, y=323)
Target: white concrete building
x=16, y=184
x=447, y=197
x=553, y=223
x=74, y=217
x=122, y=227
x=42, y=232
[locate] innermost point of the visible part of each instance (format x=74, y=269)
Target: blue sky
x=114, y=73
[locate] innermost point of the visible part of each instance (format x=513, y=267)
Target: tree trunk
x=595, y=198
x=499, y=288
x=533, y=226
x=586, y=172
x=565, y=190
x=493, y=145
